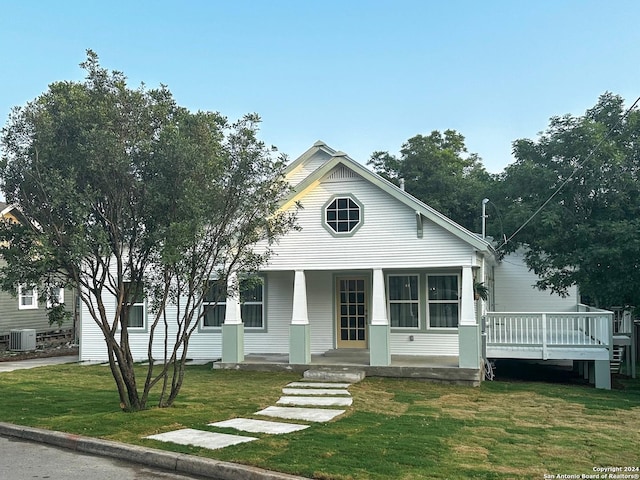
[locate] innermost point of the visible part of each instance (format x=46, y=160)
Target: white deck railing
x=579, y=329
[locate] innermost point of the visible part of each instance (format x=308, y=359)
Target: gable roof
x=341, y=158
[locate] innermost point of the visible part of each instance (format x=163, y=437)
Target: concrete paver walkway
x=297, y=396
x=259, y=426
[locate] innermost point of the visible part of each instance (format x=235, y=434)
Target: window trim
x=416, y=301
x=59, y=301
x=440, y=302
x=34, y=297
x=142, y=304
x=217, y=329
x=330, y=229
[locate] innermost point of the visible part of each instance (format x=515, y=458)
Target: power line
x=568, y=179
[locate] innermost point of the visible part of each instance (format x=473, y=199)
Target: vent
x=341, y=173
x=22, y=340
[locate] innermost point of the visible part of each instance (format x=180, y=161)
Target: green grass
x=396, y=429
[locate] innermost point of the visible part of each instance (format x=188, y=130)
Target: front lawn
x=396, y=429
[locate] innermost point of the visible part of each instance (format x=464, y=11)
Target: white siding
x=424, y=344
x=386, y=239
x=515, y=291
x=303, y=170
x=321, y=310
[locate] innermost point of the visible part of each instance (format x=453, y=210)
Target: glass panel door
x=351, y=312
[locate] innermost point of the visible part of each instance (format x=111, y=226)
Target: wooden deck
x=549, y=336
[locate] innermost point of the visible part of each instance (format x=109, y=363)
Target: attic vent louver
x=341, y=173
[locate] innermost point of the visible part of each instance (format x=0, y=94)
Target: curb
x=175, y=462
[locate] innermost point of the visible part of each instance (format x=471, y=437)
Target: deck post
x=468, y=329
x=379, y=330
x=545, y=354
x=299, y=331
x=602, y=373
x=233, y=328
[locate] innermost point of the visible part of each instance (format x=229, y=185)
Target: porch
x=443, y=369
x=583, y=337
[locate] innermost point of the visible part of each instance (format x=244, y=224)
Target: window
x=343, y=215
x=27, y=297
x=443, y=301
x=135, y=301
x=55, y=297
x=403, y=301
x=251, y=303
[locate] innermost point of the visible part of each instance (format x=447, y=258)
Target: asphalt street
x=23, y=460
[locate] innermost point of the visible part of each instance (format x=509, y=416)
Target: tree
x=589, y=232
x=436, y=170
x=126, y=193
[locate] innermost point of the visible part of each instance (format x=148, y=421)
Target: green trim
x=299, y=344
x=323, y=212
x=469, y=346
x=379, y=345
x=302, y=159
x=233, y=343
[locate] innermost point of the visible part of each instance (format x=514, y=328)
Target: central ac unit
x=22, y=340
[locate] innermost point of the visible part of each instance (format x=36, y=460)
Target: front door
x=351, y=312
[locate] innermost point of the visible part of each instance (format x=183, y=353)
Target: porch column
x=379, y=330
x=299, y=331
x=233, y=328
x=468, y=328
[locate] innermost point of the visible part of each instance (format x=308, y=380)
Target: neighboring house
x=371, y=268
x=22, y=309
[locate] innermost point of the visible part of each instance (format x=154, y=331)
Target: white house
x=371, y=268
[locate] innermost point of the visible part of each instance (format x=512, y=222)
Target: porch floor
x=443, y=369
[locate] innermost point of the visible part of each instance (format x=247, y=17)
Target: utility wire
x=568, y=179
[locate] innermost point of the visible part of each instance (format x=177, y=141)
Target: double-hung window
x=443, y=301
x=251, y=303
x=403, y=301
x=27, y=297
x=135, y=301
x=55, y=297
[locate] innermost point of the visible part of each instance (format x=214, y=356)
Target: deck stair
x=618, y=358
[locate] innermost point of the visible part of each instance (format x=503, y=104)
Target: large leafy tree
x=125, y=193
x=437, y=169
x=577, y=189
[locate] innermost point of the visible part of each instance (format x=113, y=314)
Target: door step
x=332, y=374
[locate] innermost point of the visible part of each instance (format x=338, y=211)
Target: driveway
x=36, y=362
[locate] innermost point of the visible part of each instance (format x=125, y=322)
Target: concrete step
x=334, y=374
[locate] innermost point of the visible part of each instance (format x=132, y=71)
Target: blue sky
x=360, y=75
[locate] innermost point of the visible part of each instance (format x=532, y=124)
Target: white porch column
x=468, y=328
x=233, y=328
x=299, y=331
x=379, y=330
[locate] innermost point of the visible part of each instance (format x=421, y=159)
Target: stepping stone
x=318, y=385
x=307, y=414
x=259, y=426
x=314, y=391
x=316, y=401
x=200, y=438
